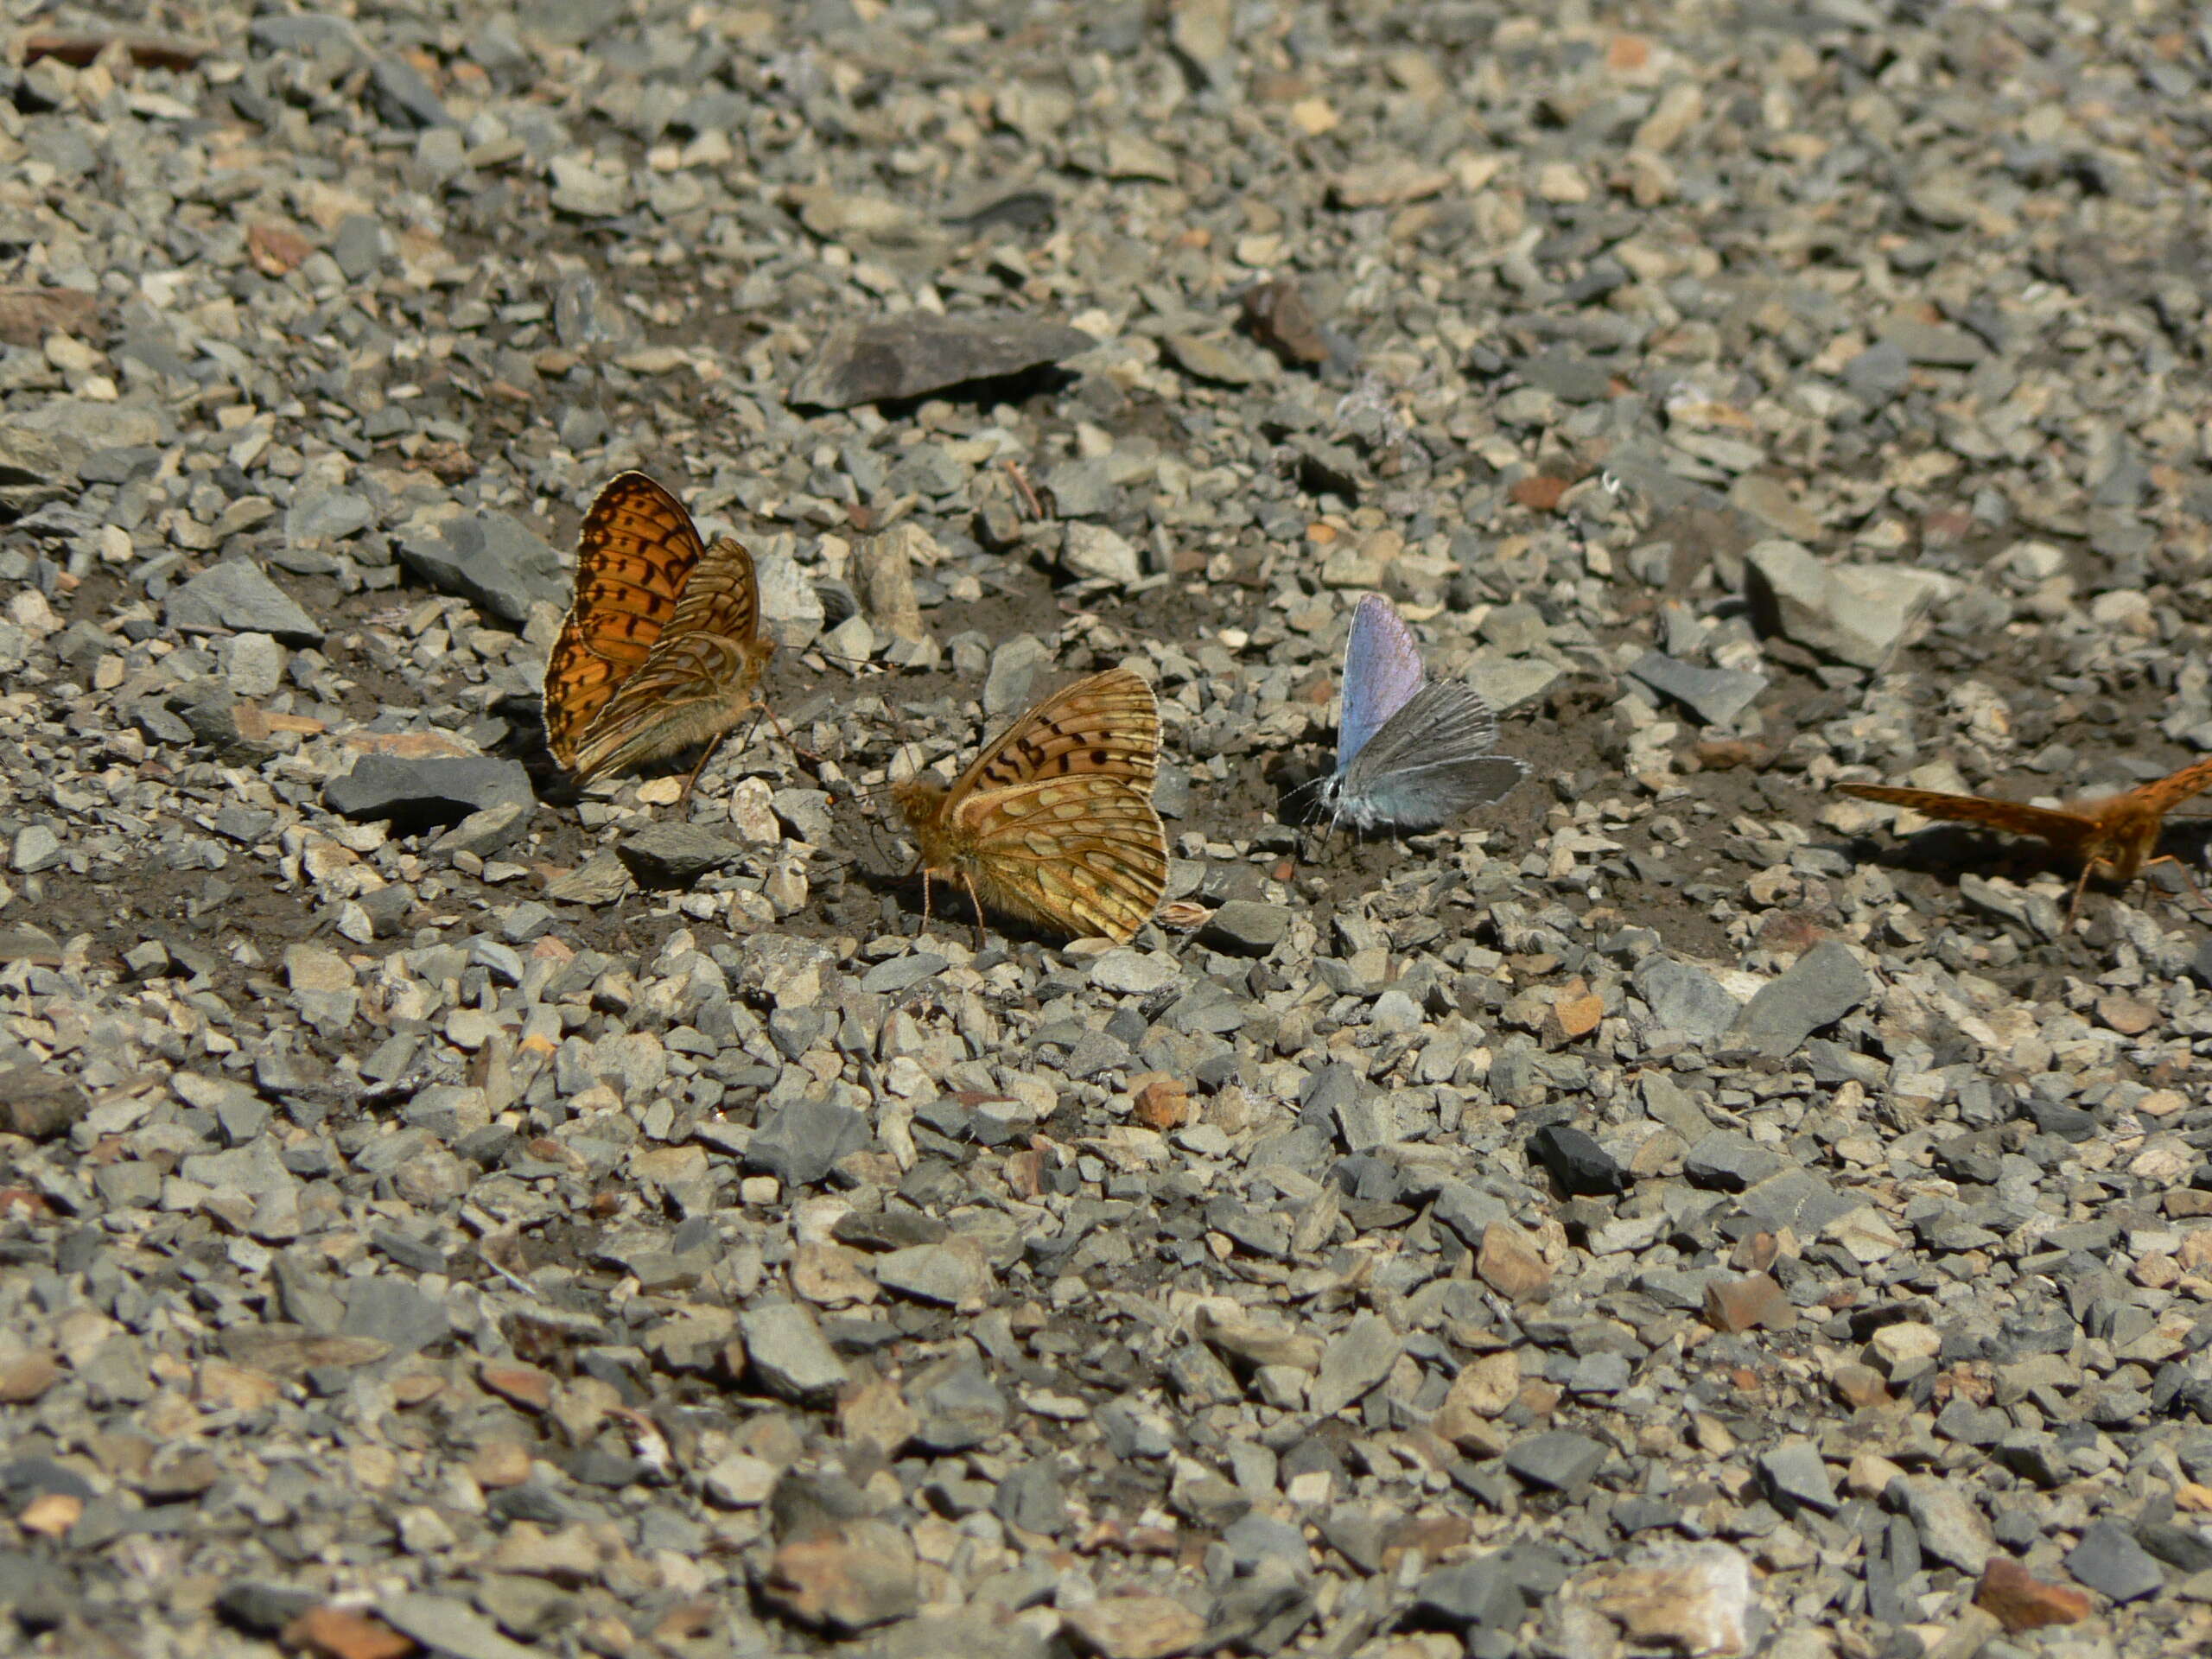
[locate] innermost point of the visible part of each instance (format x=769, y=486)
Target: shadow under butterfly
x=1412, y=753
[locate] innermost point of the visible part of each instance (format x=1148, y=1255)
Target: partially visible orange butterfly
x=662, y=649
x=1053, y=823
x=2116, y=833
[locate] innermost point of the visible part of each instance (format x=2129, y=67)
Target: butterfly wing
x=1430, y=762
x=2069, y=832
x=1381, y=673
x=634, y=555
x=2169, y=792
x=1054, y=821
x=698, y=680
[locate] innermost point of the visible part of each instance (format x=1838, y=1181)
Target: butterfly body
x=662, y=651
x=1411, y=753
x=1054, y=822
x=2111, y=834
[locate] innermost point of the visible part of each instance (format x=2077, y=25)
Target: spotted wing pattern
x=1054, y=822
x=661, y=648
x=698, y=681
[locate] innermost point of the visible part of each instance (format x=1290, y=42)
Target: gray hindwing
x=1430, y=761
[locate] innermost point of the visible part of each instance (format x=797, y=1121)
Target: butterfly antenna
x=762, y=711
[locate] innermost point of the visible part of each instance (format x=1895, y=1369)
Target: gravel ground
x=1670, y=1210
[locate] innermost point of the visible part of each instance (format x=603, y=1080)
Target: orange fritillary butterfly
x=2115, y=834
x=662, y=649
x=1054, y=822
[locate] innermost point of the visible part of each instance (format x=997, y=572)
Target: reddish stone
x=850, y=1580
x=1726, y=753
x=1539, y=491
x=1860, y=1386
x=1735, y=1305
x=1575, y=1012
x=51, y=1514
x=523, y=1385
x=1509, y=1263
x=337, y=1633
x=275, y=251
x=2022, y=1601
x=1163, y=1104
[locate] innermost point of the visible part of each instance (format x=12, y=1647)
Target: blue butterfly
x=1411, y=753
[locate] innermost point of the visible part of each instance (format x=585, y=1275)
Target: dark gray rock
x=39, y=1103
x=2184, y=1549
x=1355, y=1359
x=1567, y=374
x=786, y=1349
x=237, y=596
x=494, y=561
x=1731, y=1161
x=896, y=974
x=486, y=833
x=958, y=1405
x=1259, y=1612
x=416, y=794
x=263, y=1609
x=2111, y=1562
x=1878, y=374
x=447, y=1626
x=1467, y=1211
x=1033, y=1496
x=404, y=99
x=392, y=1311
x=27, y=1477
x=804, y=1139
x=1715, y=696
x=1819, y=988
x=1483, y=1593
x=1798, y=1478
x=1937, y=345
x=1580, y=1167
x=1245, y=927
x=919, y=353
x=1684, y=997
x=675, y=854
x=332, y=515
x=2064, y=1123
x=1557, y=1460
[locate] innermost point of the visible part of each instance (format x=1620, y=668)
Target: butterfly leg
x=976, y=900
x=691, y=779
x=2081, y=887
x=2188, y=880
